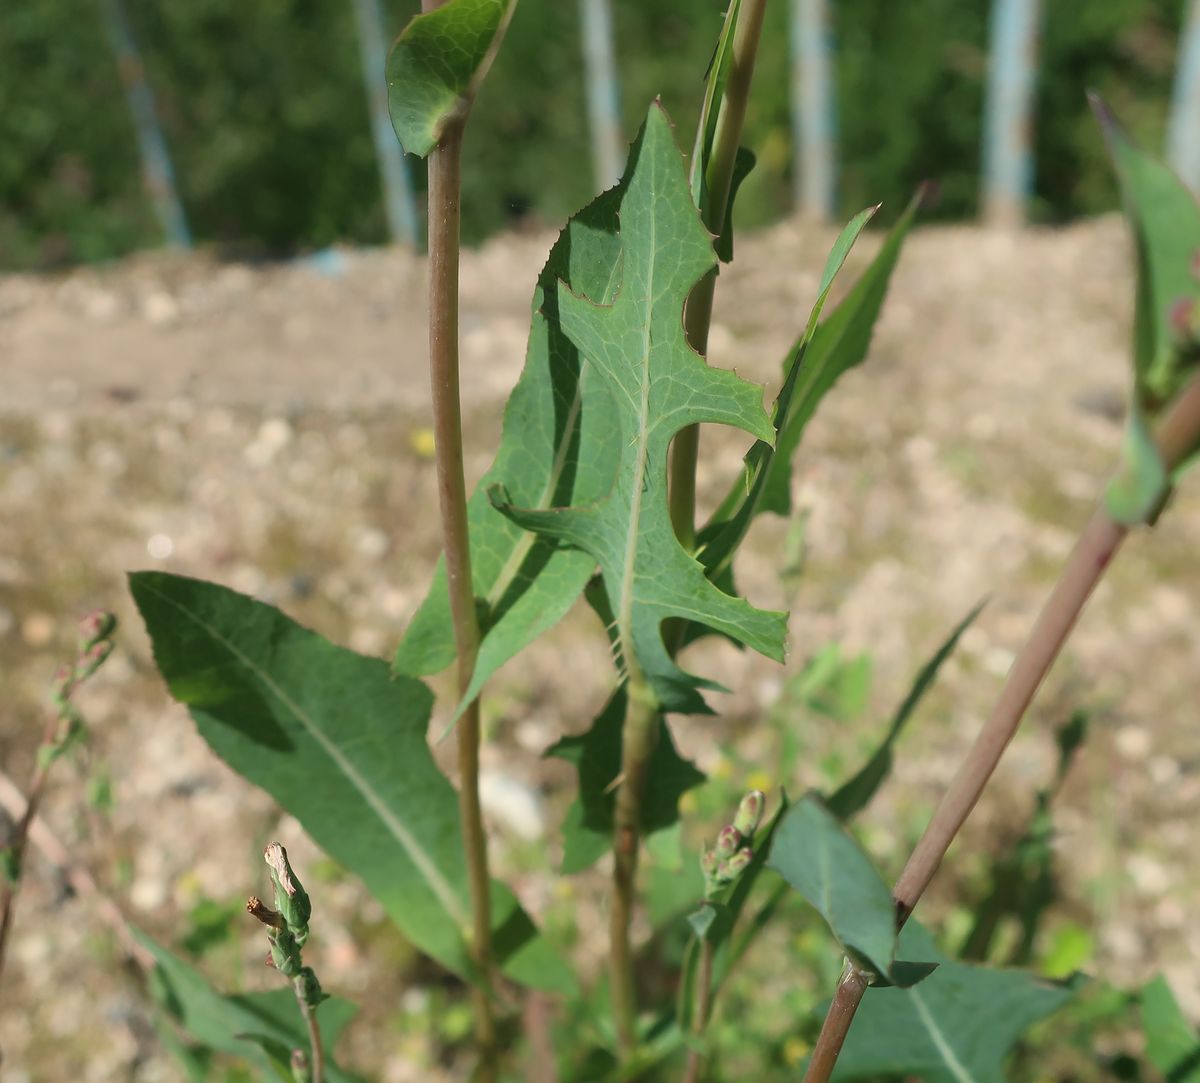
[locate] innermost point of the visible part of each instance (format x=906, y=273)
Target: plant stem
x=316, y=1062
x=695, y=1061
x=638, y=739
x=697, y=315
x=17, y=844
x=1177, y=436
x=445, y=190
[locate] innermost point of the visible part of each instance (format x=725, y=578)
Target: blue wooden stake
x=398, y=199
x=158, y=176
x=1008, y=117
x=813, y=109
x=603, y=98
x=1183, y=133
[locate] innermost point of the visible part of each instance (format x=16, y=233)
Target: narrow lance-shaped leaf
x=524, y=584
x=856, y=794
x=838, y=345
x=435, y=67
x=657, y=386
x=957, y=1026
x=725, y=530
x=341, y=746
x=262, y=1028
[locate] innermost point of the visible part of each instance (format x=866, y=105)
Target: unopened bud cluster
x=725, y=861
x=287, y=926
x=94, y=644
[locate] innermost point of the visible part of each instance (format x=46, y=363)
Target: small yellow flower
x=794, y=1051
x=422, y=443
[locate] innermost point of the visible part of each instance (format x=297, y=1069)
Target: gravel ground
x=264, y=426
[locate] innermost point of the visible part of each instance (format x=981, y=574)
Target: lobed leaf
x=524, y=584
x=341, y=746
x=855, y=794
x=815, y=854
x=957, y=1026
x=588, y=827
x=262, y=1028
x=437, y=64
x=657, y=385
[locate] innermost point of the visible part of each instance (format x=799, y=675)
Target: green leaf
x=853, y=796
x=1172, y=1044
x=814, y=853
x=957, y=1026
x=435, y=67
x=525, y=584
x=837, y=345
x=262, y=1028
x=1165, y=220
x=341, y=746
x=588, y=828
x=657, y=386
x=1141, y=486
x=721, y=536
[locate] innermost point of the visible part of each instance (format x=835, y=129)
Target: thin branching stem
x=1177, y=436
x=698, y=313
x=316, y=1045
x=704, y=990
x=445, y=191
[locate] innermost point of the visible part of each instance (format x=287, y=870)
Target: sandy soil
x=264, y=426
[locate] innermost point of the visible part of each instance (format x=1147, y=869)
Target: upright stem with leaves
x=445, y=189
x=1176, y=438
x=640, y=733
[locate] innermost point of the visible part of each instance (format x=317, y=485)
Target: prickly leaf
x=657, y=385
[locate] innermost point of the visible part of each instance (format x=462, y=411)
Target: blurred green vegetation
x=266, y=118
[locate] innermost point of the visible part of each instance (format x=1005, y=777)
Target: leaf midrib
x=418, y=854
x=953, y=1065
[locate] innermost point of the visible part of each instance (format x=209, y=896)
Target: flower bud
x=300, y=1069
x=750, y=813
x=1182, y=318
x=708, y=863
x=94, y=627
x=308, y=988
x=728, y=841
x=93, y=658
x=291, y=900
x=733, y=867
x=285, y=953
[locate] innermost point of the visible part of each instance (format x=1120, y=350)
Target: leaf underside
x=436, y=65
x=656, y=386
x=341, y=745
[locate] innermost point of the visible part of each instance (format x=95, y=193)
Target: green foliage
x=261, y=1028
x=525, y=583
x=436, y=66
x=656, y=386
x=271, y=158
x=855, y=794
x=816, y=855
x=1172, y=1044
x=336, y=741
x=958, y=1025
x=588, y=826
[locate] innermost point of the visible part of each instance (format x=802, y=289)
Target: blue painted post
x=398, y=199
x=603, y=98
x=813, y=109
x=1008, y=118
x=1183, y=134
x=157, y=173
